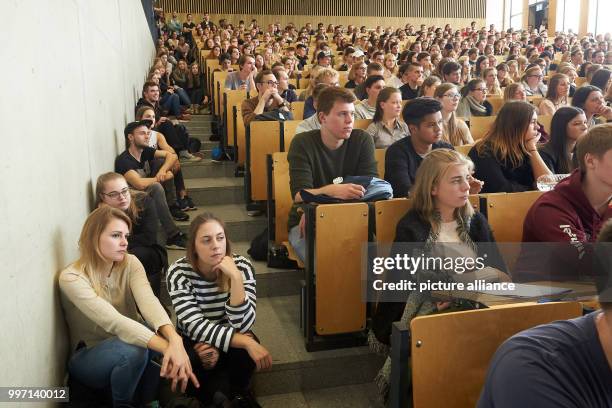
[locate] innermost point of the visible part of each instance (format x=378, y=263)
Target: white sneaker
x=185, y=155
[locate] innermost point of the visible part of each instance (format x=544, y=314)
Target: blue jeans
x=172, y=103
x=298, y=243
x=124, y=367
x=183, y=96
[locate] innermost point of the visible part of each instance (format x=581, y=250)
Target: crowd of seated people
x=419, y=87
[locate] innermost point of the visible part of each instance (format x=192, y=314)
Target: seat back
x=452, y=351
x=281, y=194
x=480, y=125
x=232, y=99
x=464, y=149
x=337, y=267
x=496, y=102
x=264, y=139
x=362, y=123
x=297, y=109
x=380, y=162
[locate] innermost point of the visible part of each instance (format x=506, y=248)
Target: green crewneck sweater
x=314, y=165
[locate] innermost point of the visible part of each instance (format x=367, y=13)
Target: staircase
x=332, y=378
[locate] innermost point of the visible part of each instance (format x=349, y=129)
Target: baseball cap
x=358, y=54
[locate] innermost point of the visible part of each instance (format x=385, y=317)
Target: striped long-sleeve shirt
x=203, y=312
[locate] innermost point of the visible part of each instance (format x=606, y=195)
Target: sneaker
x=182, y=204
x=246, y=400
x=186, y=156
x=177, y=214
x=179, y=241
x=189, y=203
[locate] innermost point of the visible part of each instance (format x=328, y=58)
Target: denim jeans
x=126, y=368
x=172, y=103
x=298, y=243
x=158, y=194
x=183, y=96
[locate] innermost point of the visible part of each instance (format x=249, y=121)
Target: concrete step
x=296, y=370
x=206, y=191
x=348, y=396
x=206, y=168
x=239, y=225
x=270, y=281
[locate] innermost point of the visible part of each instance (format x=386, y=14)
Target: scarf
x=475, y=107
x=417, y=304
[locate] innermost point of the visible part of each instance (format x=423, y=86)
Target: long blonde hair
x=432, y=169
x=91, y=259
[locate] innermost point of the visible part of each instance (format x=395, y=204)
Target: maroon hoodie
x=563, y=215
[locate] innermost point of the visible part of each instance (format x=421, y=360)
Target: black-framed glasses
x=270, y=83
x=115, y=194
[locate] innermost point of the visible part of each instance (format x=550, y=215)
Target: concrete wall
x=71, y=73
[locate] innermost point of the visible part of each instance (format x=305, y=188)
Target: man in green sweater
x=318, y=158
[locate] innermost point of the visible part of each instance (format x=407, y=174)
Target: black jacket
x=401, y=164
x=412, y=229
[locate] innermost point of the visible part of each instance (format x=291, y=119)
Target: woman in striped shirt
x=213, y=294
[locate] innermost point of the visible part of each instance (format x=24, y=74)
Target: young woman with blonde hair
x=507, y=158
x=116, y=324
x=490, y=77
x=455, y=131
x=441, y=222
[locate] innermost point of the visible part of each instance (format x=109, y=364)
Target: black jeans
x=152, y=262
x=231, y=375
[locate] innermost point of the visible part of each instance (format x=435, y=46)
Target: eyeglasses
x=452, y=96
x=484, y=90
x=270, y=83
x=115, y=194
x=536, y=76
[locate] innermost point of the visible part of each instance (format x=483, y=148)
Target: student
x=556, y=95
x=386, y=127
x=356, y=75
x=473, y=100
x=324, y=76
x=568, y=126
x=374, y=68
x=576, y=208
x=455, y=131
x=318, y=157
x=532, y=81
x=312, y=123
x=428, y=88
x=158, y=141
x=213, y=294
x=402, y=158
x=135, y=165
x=414, y=79
x=590, y=100
x=490, y=77
x=113, y=190
x=440, y=212
x=451, y=72
x=366, y=109
x=116, y=324
x=267, y=99
x=244, y=78
x=507, y=158
x=567, y=363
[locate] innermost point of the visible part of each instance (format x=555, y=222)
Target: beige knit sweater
x=92, y=319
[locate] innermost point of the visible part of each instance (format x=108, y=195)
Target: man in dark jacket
x=402, y=159
x=574, y=211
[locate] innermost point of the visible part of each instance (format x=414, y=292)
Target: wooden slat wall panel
x=474, y=9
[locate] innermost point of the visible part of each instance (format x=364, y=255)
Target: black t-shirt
x=556, y=365
x=126, y=162
x=408, y=92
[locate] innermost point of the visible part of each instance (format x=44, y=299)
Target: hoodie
x=563, y=215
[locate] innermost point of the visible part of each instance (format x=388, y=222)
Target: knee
x=155, y=189
x=132, y=355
